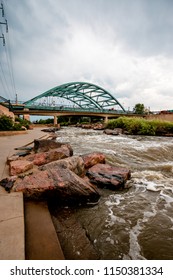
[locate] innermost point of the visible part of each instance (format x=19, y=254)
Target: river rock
x=99, y=126
x=107, y=176
x=51, y=129
x=86, y=126
x=74, y=163
x=45, y=145
x=116, y=131
x=92, y=159
x=54, y=154
x=60, y=184
x=8, y=183
x=19, y=166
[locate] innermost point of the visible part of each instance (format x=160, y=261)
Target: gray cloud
x=124, y=46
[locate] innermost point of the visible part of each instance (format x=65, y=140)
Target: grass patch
x=140, y=126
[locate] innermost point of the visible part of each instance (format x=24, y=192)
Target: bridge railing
x=73, y=109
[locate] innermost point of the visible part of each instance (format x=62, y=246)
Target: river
x=137, y=223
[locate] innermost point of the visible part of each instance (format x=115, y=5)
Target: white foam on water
x=114, y=200
x=171, y=219
x=112, y=219
x=167, y=198
x=135, y=250
x=151, y=186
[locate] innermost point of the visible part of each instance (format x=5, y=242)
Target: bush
x=140, y=126
x=6, y=123
x=17, y=126
x=23, y=122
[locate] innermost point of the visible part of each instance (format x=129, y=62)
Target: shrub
x=141, y=126
x=23, y=122
x=17, y=126
x=6, y=123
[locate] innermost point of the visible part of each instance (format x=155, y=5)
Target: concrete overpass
x=67, y=111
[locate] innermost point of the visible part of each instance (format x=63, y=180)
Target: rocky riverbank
x=50, y=170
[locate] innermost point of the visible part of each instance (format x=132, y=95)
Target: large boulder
x=45, y=145
x=60, y=184
x=74, y=163
x=19, y=166
x=107, y=176
x=51, y=155
x=92, y=159
x=71, y=188
x=34, y=185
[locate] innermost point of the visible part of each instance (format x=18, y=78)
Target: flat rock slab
x=41, y=239
x=49, y=156
x=19, y=166
x=105, y=175
x=91, y=159
x=74, y=163
x=44, y=145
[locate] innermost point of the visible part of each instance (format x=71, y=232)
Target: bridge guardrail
x=74, y=109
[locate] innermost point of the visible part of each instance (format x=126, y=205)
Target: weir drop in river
x=136, y=223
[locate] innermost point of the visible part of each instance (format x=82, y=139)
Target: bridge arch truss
x=79, y=95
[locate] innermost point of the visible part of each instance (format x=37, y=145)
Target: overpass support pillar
x=26, y=115
x=55, y=122
x=106, y=119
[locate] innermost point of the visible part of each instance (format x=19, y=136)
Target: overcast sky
x=124, y=46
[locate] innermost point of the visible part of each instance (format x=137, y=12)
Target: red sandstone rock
x=92, y=159
x=59, y=183
x=19, y=166
x=34, y=185
x=52, y=155
x=86, y=126
x=48, y=144
x=71, y=188
x=105, y=175
x=74, y=163
x=98, y=126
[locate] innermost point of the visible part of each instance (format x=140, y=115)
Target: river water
x=136, y=223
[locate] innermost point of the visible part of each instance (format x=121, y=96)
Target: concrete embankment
x=26, y=230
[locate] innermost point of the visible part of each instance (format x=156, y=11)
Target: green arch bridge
x=75, y=98
x=78, y=94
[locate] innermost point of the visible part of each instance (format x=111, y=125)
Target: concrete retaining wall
x=162, y=117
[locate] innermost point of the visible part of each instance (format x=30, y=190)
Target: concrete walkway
x=12, y=218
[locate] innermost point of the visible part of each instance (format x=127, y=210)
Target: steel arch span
x=79, y=94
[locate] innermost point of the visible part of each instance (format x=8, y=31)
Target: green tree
x=139, y=108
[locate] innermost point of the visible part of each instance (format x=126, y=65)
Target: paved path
x=12, y=220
